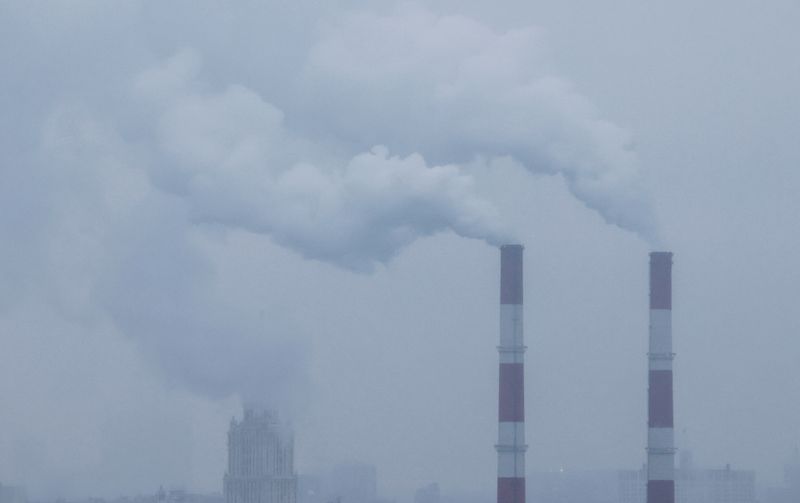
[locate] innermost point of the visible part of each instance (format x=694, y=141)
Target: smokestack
x=660, y=435
x=511, y=411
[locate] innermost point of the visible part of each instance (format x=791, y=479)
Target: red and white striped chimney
x=660, y=433
x=511, y=411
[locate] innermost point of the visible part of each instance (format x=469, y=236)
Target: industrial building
x=260, y=460
x=789, y=492
x=707, y=485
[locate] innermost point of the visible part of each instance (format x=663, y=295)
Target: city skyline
x=207, y=204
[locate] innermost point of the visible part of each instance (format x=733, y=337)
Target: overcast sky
x=298, y=203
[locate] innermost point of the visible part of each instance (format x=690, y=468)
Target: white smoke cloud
x=126, y=187
x=121, y=251
x=111, y=176
x=452, y=89
x=232, y=158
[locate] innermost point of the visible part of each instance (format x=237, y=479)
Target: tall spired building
x=260, y=460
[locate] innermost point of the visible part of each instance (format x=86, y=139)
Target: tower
x=260, y=461
x=511, y=400
x=660, y=427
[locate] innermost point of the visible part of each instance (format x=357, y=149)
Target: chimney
x=660, y=434
x=511, y=411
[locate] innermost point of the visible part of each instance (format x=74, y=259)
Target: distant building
x=790, y=491
x=12, y=494
x=717, y=486
x=260, y=461
x=722, y=485
x=632, y=486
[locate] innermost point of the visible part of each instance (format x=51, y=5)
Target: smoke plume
x=229, y=154
x=452, y=89
x=356, y=159
x=344, y=146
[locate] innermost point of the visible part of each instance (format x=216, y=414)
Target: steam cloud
x=446, y=88
x=230, y=155
x=356, y=160
x=442, y=88
x=452, y=89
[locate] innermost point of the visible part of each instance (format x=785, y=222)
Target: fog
x=298, y=205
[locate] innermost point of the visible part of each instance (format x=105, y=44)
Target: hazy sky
x=298, y=202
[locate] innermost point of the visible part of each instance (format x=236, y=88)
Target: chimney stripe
x=660, y=491
x=511, y=274
x=512, y=393
x=660, y=399
x=511, y=490
x=661, y=280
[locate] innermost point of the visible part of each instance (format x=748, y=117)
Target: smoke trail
x=225, y=157
x=230, y=156
x=119, y=249
x=451, y=89
x=446, y=88
x=101, y=212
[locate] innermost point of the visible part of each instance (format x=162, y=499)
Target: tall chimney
x=660, y=435
x=511, y=411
